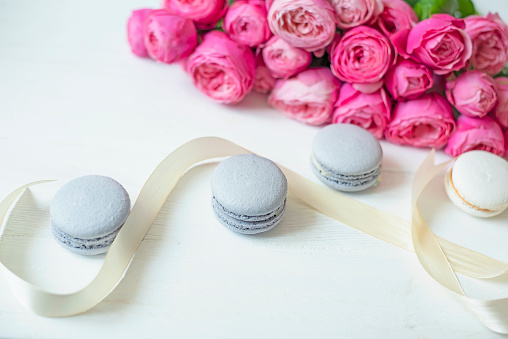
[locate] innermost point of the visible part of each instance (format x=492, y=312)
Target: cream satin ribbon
x=440, y=258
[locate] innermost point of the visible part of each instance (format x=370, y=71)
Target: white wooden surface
x=73, y=101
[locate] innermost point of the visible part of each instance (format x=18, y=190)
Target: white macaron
x=478, y=183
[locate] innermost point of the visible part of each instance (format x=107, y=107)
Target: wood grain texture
x=73, y=101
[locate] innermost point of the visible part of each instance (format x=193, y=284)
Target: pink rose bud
x=264, y=82
x=307, y=24
x=246, y=23
x=440, y=43
x=500, y=112
x=222, y=69
x=473, y=93
x=396, y=21
x=476, y=134
x=135, y=28
x=168, y=37
x=352, y=13
x=369, y=111
x=308, y=97
x=489, y=36
x=408, y=79
x=362, y=55
x=205, y=14
x=423, y=122
x=284, y=60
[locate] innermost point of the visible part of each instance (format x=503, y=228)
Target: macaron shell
x=90, y=207
x=481, y=179
x=460, y=203
x=249, y=185
x=347, y=149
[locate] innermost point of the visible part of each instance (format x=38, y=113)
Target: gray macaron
x=346, y=157
x=248, y=193
x=87, y=213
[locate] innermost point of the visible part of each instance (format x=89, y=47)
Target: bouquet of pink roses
x=407, y=71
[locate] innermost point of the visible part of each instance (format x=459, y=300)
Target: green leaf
x=465, y=8
x=425, y=8
x=411, y=2
x=219, y=25
x=503, y=73
x=457, y=8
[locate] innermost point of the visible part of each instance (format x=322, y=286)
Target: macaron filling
x=85, y=245
x=248, y=223
x=352, y=181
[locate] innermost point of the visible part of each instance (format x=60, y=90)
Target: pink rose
x=264, y=82
x=476, y=134
x=284, y=60
x=222, y=69
x=489, y=36
x=369, y=111
x=396, y=21
x=363, y=55
x=440, y=43
x=205, y=14
x=135, y=28
x=408, y=79
x=308, y=97
x=500, y=112
x=352, y=13
x=169, y=37
x=246, y=23
x=307, y=24
x=423, y=122
x=473, y=93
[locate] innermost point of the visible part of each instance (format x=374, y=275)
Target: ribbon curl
x=439, y=257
